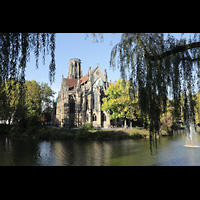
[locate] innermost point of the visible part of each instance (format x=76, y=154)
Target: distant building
x=80, y=97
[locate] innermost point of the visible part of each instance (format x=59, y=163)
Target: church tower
x=75, y=70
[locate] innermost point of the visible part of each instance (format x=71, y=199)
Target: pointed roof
x=85, y=78
x=73, y=82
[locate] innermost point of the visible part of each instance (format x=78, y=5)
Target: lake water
x=170, y=151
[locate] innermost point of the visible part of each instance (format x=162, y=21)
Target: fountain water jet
x=191, y=140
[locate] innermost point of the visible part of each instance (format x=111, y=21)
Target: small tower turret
x=89, y=74
x=106, y=78
x=75, y=70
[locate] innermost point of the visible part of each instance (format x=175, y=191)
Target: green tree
x=37, y=101
x=14, y=54
x=33, y=102
x=9, y=99
x=197, y=108
x=47, y=95
x=196, y=99
x=119, y=102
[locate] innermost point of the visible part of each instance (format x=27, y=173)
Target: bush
x=87, y=126
x=137, y=133
x=84, y=133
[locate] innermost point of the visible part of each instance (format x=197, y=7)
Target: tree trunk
x=131, y=124
x=125, y=123
x=9, y=120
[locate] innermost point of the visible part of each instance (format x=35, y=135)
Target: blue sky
x=75, y=45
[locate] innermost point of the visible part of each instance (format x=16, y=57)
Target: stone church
x=80, y=97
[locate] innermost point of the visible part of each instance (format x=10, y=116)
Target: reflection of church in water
x=80, y=97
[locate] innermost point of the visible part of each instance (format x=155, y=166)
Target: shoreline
x=57, y=133
x=54, y=133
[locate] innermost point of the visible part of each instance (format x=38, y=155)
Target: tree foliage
x=47, y=95
x=158, y=64
x=166, y=119
x=29, y=111
x=15, y=51
x=119, y=102
x=197, y=108
x=33, y=101
x=9, y=99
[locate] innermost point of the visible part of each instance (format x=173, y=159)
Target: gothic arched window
x=95, y=103
x=94, y=117
x=103, y=117
x=71, y=105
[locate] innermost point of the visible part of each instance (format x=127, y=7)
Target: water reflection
x=169, y=151
x=79, y=153
x=45, y=155
x=17, y=152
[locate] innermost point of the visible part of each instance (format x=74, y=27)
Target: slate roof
x=71, y=82
x=85, y=78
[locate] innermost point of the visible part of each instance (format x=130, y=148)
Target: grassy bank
x=112, y=134
x=49, y=133
x=52, y=133
x=45, y=133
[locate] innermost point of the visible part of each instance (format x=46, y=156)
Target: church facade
x=80, y=97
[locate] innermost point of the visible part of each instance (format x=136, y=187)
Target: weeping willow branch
x=159, y=66
x=175, y=50
x=15, y=51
